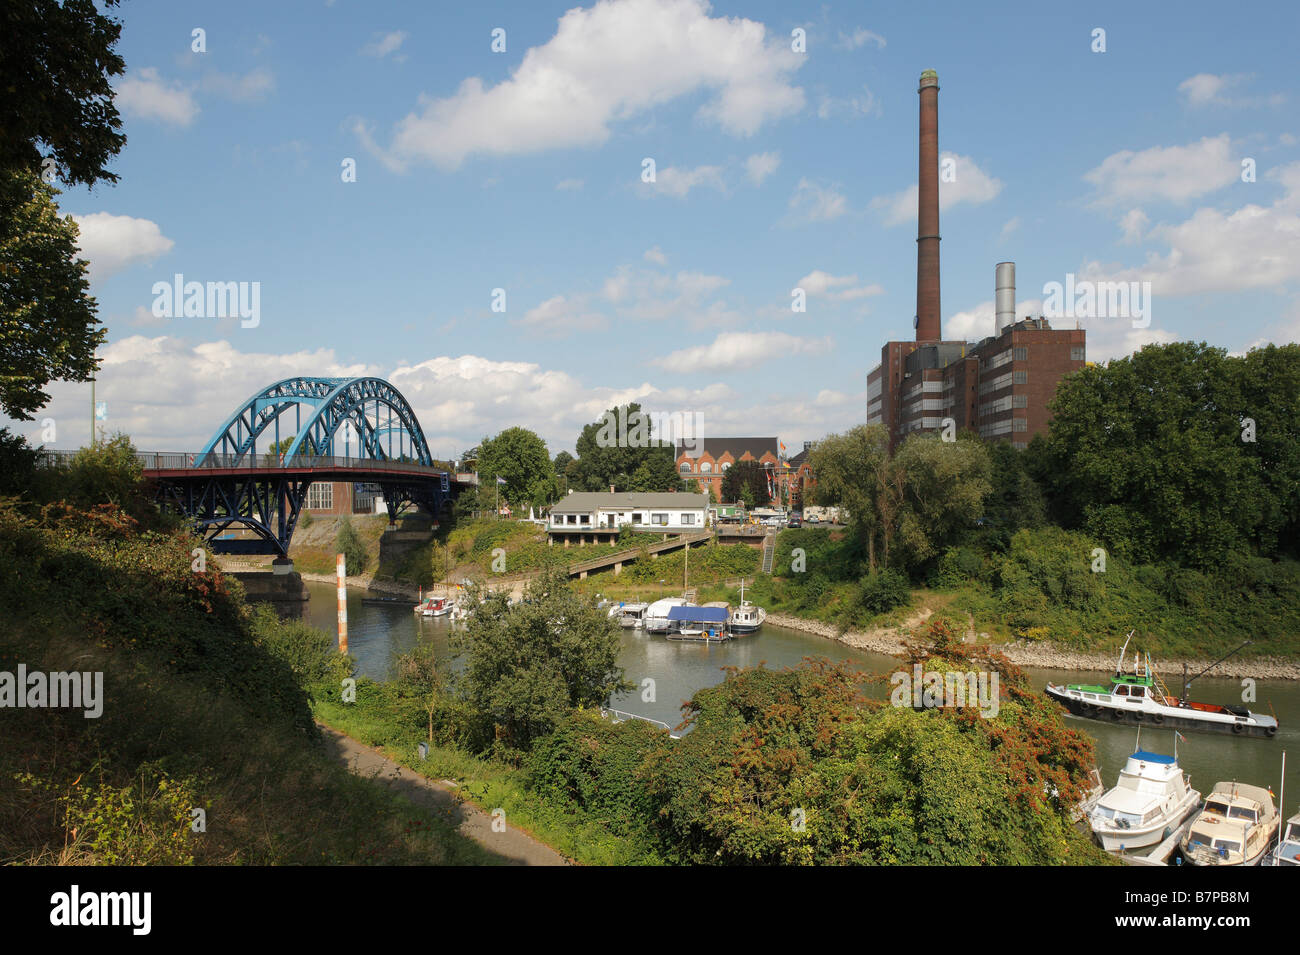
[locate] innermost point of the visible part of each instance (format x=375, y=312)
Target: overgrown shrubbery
x=349, y=543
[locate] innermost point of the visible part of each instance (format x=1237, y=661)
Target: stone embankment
x=889, y=640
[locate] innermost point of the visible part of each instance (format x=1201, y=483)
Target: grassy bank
x=203, y=709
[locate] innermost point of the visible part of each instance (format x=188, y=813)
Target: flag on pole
x=500, y=480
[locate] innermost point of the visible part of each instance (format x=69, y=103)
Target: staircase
x=769, y=552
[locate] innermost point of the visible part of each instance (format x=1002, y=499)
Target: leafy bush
x=352, y=547
x=883, y=591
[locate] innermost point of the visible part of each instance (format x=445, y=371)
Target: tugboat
x=1142, y=697
x=1236, y=827
x=1150, y=801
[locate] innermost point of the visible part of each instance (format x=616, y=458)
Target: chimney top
x=929, y=78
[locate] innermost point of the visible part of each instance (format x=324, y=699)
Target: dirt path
x=513, y=845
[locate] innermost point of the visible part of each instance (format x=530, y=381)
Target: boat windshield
x=1227, y=845
x=1122, y=820
x=1292, y=833
x=1217, y=808
x=1241, y=812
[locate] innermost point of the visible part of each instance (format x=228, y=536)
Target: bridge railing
x=185, y=460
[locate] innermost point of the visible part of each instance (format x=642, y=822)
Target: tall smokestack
x=927, y=214
x=1004, y=294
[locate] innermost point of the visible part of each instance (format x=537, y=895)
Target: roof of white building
x=584, y=502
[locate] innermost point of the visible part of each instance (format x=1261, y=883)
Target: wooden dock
x=1161, y=854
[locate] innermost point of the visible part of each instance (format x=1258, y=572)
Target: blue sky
x=521, y=170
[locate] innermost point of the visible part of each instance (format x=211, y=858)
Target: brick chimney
x=927, y=214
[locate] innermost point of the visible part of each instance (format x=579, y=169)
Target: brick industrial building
x=998, y=387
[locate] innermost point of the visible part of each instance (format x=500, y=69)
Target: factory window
x=1020, y=378
x=1076, y=353
x=725, y=465
x=1020, y=401
x=706, y=468
x=320, y=497
x=1019, y=424
x=686, y=467
x=1021, y=354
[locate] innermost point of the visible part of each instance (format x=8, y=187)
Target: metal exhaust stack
x=1004, y=291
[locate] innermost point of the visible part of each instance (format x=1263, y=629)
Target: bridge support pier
x=582, y=575
x=282, y=565
x=618, y=568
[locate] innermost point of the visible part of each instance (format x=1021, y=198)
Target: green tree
x=944, y=486
x=520, y=457
x=349, y=543
x=852, y=473
x=47, y=316
x=620, y=448
x=1153, y=454
x=56, y=60
x=745, y=481
x=527, y=665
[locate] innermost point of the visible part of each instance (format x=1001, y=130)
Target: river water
x=377, y=635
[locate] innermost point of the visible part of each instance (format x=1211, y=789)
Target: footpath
x=513, y=845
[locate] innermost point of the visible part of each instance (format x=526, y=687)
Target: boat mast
x=1119, y=667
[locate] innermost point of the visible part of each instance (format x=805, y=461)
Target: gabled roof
x=717, y=447
x=584, y=502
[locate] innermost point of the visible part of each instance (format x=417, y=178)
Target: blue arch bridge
x=239, y=482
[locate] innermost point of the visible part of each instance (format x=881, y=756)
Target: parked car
x=814, y=519
x=794, y=521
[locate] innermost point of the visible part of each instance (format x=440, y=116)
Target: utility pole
x=92, y=412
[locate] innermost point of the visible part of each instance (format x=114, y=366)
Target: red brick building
x=342, y=497
x=705, y=461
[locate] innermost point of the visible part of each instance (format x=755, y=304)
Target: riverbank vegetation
x=779, y=767
x=1165, y=498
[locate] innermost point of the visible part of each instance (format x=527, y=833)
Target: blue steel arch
x=377, y=411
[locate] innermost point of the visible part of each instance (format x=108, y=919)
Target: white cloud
x=1254, y=247
x=814, y=203
x=1175, y=173
x=860, y=104
x=605, y=64
x=1134, y=224
x=656, y=256
x=558, y=316
x=1210, y=89
x=969, y=184
x=860, y=37
x=678, y=182
x=1009, y=227
x=144, y=93
x=383, y=45
x=569, y=185
x=981, y=321
x=740, y=350
x=113, y=243
x=761, y=165
x=841, y=288
x=248, y=87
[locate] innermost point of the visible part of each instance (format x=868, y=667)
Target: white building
x=600, y=515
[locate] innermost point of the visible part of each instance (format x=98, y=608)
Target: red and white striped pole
x=342, y=569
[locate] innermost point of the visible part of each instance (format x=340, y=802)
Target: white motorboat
x=1288, y=848
x=630, y=616
x=1236, y=827
x=1150, y=801
x=435, y=607
x=656, y=615
x=746, y=618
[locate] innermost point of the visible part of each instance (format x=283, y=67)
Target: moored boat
x=1150, y=800
x=656, y=615
x=1235, y=827
x=1142, y=697
x=1288, y=847
x=746, y=618
x=695, y=623
x=630, y=616
x=434, y=607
